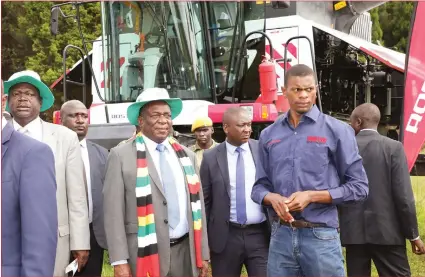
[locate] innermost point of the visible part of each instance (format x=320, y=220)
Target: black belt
x=301, y=224
x=180, y=239
x=243, y=226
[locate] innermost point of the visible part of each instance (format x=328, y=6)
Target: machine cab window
x=156, y=44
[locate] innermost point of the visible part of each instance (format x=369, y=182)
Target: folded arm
x=350, y=170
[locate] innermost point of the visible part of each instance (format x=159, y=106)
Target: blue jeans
x=309, y=252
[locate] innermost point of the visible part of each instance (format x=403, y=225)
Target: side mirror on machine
x=54, y=20
x=281, y=4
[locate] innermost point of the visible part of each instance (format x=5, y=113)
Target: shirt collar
x=151, y=145
x=232, y=149
x=32, y=127
x=83, y=143
x=313, y=114
x=373, y=130
x=197, y=147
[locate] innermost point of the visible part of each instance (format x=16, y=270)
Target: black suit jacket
x=388, y=216
x=214, y=174
x=97, y=159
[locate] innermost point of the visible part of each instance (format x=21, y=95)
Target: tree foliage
x=16, y=45
x=376, y=26
x=391, y=24
x=42, y=52
x=27, y=42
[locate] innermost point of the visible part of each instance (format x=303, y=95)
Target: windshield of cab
x=154, y=44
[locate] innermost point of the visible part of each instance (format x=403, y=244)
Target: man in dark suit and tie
x=29, y=218
x=377, y=229
x=74, y=115
x=237, y=227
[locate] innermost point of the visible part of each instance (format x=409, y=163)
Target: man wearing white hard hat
x=27, y=97
x=153, y=201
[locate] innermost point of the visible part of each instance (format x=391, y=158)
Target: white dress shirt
x=86, y=161
x=254, y=212
x=3, y=122
x=34, y=129
x=183, y=227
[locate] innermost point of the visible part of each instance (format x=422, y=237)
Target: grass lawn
x=417, y=263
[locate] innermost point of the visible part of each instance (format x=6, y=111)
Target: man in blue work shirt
x=309, y=164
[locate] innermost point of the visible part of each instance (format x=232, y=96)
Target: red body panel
x=261, y=113
x=414, y=93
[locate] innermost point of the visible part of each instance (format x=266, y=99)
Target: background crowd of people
x=284, y=205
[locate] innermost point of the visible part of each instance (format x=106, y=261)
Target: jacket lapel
x=223, y=165
x=49, y=136
x=92, y=161
x=6, y=133
x=254, y=151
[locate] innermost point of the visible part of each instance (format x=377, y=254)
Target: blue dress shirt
x=321, y=153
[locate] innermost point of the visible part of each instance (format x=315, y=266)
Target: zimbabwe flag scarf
x=147, y=252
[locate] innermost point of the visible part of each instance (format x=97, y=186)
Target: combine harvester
x=211, y=55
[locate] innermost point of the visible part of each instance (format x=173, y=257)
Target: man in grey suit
x=377, y=229
x=27, y=97
x=238, y=231
x=28, y=208
x=74, y=115
x=153, y=202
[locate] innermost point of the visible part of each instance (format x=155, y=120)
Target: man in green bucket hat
x=154, y=208
x=27, y=97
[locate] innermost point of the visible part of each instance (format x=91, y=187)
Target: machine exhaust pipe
x=359, y=7
x=347, y=12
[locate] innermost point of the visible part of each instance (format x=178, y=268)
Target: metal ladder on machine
x=66, y=80
x=319, y=99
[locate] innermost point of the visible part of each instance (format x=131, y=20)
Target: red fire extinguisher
x=268, y=80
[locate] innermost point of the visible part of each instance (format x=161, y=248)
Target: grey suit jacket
x=29, y=214
x=73, y=229
x=388, y=216
x=216, y=186
x=98, y=156
x=120, y=208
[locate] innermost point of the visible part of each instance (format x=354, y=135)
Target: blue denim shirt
x=321, y=153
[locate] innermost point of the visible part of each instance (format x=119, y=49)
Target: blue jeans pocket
x=275, y=227
x=324, y=233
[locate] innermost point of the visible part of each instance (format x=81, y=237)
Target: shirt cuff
x=337, y=195
x=120, y=262
x=415, y=238
x=258, y=196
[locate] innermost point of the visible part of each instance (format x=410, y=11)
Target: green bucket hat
x=32, y=78
x=150, y=95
